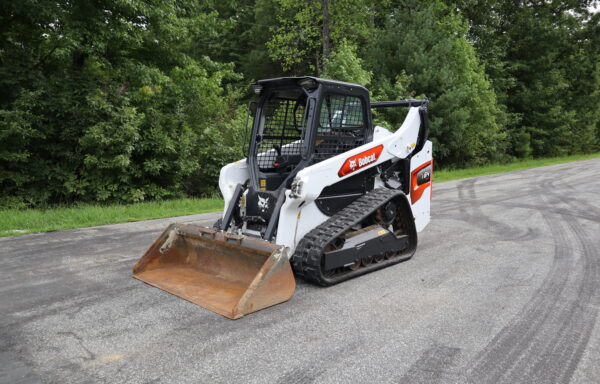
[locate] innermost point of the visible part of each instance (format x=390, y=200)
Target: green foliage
x=108, y=104
x=296, y=37
x=345, y=65
x=522, y=144
x=429, y=43
x=124, y=101
x=305, y=34
x=542, y=58
x=217, y=147
x=399, y=89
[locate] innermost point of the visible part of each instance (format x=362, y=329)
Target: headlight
x=296, y=188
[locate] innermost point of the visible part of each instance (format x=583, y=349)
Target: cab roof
x=294, y=81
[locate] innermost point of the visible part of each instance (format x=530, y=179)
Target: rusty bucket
x=228, y=274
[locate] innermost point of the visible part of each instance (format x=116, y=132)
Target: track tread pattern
x=306, y=260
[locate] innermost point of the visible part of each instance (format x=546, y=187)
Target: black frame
x=252, y=158
x=316, y=92
x=399, y=103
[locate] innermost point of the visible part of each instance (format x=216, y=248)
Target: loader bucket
x=225, y=273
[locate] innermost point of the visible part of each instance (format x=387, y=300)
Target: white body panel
x=295, y=222
x=421, y=207
x=397, y=145
x=299, y=214
x=380, y=132
x=230, y=176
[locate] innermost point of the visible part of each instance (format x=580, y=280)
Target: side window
x=341, y=126
x=343, y=113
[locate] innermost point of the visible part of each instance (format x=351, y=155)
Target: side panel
x=380, y=133
x=230, y=176
x=296, y=220
x=397, y=145
x=421, y=171
x=309, y=217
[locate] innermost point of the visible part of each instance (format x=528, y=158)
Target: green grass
x=21, y=221
x=447, y=175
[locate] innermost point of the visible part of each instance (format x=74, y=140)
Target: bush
x=105, y=108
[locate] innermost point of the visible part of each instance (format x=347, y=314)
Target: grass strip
x=21, y=221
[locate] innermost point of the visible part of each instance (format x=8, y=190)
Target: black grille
x=282, y=126
x=341, y=126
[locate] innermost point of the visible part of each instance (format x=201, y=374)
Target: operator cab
x=298, y=122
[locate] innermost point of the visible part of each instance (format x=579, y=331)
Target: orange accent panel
x=416, y=191
x=361, y=160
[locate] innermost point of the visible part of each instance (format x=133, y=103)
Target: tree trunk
x=326, y=30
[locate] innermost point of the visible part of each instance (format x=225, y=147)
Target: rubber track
x=306, y=260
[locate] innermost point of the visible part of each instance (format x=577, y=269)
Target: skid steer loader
x=322, y=194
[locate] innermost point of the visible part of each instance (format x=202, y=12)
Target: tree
x=106, y=101
x=345, y=65
x=306, y=33
x=540, y=58
x=130, y=100
x=422, y=50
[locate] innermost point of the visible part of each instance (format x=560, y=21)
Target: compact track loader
x=322, y=194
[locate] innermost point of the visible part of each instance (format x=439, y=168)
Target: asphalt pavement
x=504, y=288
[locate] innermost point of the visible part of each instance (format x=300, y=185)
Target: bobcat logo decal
x=263, y=204
x=360, y=160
